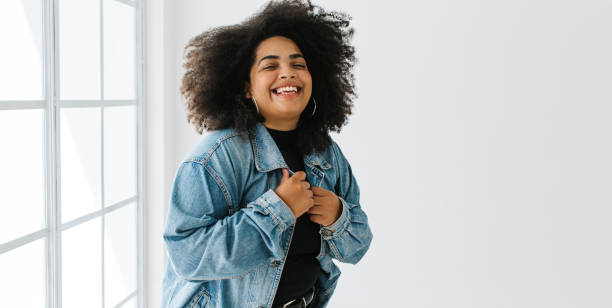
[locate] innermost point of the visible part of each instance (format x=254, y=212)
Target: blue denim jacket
x=228, y=233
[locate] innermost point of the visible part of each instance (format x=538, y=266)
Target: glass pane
x=21, y=70
x=23, y=276
x=119, y=42
x=119, y=153
x=79, y=49
x=132, y=303
x=120, y=258
x=21, y=184
x=81, y=161
x=82, y=265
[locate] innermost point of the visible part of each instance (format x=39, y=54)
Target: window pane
x=21, y=173
x=79, y=49
x=132, y=303
x=119, y=153
x=82, y=265
x=120, y=258
x=81, y=161
x=119, y=42
x=23, y=276
x=21, y=74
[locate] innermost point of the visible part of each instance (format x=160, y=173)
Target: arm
x=205, y=244
x=350, y=236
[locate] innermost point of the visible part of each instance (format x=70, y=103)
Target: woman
x=264, y=203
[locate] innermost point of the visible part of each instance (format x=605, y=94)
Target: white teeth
x=286, y=89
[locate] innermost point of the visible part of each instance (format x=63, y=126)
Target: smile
x=287, y=91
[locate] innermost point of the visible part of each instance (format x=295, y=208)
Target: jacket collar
x=268, y=157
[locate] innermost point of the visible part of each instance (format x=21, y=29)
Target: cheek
x=261, y=83
x=307, y=77
x=265, y=82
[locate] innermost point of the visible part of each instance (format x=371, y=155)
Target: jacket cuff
x=274, y=205
x=335, y=229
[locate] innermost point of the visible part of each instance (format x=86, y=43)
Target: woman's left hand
x=327, y=207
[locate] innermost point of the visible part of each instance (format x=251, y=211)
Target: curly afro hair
x=218, y=62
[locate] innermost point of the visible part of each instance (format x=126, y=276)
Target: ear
x=247, y=90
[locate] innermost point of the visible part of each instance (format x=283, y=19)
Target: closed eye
x=270, y=67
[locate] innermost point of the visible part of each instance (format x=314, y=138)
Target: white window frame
x=51, y=106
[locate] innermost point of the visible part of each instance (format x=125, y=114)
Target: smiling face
x=280, y=82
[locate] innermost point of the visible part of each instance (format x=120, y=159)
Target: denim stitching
x=336, y=155
x=277, y=218
x=216, y=145
x=344, y=226
x=253, y=282
x=219, y=181
x=335, y=250
x=197, y=298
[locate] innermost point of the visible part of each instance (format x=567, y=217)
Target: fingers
x=300, y=176
x=318, y=191
x=310, y=195
x=285, y=175
x=318, y=199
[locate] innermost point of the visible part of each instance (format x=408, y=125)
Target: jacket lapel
x=268, y=157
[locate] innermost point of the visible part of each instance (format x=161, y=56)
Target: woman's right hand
x=295, y=192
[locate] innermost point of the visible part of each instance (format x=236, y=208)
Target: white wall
x=480, y=142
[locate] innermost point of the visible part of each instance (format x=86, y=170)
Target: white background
x=481, y=141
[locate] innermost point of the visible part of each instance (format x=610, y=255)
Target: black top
x=302, y=267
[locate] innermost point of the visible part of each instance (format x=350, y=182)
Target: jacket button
x=327, y=232
x=276, y=263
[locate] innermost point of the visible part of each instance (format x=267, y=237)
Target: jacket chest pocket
x=315, y=176
x=200, y=299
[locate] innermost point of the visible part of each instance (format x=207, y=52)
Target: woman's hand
x=295, y=192
x=327, y=208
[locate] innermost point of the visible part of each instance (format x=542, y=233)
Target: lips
x=286, y=90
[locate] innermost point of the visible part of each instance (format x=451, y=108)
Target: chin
x=288, y=114
x=291, y=110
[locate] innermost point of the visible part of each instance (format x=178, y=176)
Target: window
x=70, y=153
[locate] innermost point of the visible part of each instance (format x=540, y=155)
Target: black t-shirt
x=301, y=267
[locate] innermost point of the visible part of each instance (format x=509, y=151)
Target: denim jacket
x=228, y=233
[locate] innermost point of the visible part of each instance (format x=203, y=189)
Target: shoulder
x=335, y=153
x=223, y=141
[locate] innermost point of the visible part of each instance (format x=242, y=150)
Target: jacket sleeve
x=349, y=237
x=204, y=243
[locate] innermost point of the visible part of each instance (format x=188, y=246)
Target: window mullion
x=52, y=176
x=139, y=62
x=103, y=284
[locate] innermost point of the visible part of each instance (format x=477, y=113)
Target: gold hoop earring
x=255, y=102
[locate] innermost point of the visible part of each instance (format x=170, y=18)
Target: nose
x=286, y=73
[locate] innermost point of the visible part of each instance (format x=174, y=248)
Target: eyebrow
x=293, y=56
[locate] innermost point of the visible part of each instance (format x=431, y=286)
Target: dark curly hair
x=219, y=60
